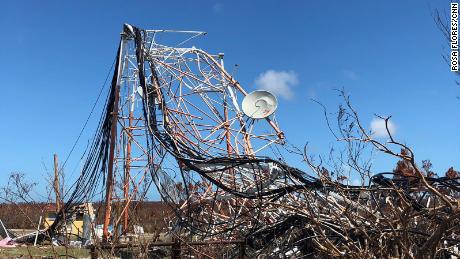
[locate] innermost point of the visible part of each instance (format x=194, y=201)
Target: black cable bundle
x=95, y=166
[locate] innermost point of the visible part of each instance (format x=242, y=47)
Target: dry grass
x=45, y=251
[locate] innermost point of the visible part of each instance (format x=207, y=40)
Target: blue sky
x=386, y=54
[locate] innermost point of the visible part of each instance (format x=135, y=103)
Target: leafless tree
x=407, y=213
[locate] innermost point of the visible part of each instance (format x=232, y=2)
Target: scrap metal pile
x=223, y=172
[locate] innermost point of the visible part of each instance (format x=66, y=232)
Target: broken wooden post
x=56, y=184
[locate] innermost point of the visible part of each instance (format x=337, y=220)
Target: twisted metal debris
x=180, y=125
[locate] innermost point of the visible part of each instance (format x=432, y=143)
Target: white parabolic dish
x=259, y=104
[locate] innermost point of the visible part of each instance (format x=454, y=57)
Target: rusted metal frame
x=270, y=142
x=215, y=102
x=230, y=78
x=209, y=135
x=242, y=205
x=246, y=138
x=186, y=112
x=224, y=120
x=201, y=68
x=207, y=76
x=145, y=152
x=161, y=101
x=240, y=88
x=127, y=171
x=134, y=159
x=186, y=115
x=210, y=65
x=172, y=70
x=209, y=145
x=262, y=137
x=212, y=208
x=180, y=126
x=215, y=129
x=227, y=129
x=211, y=107
x=168, y=73
x=218, y=68
x=134, y=119
x=212, y=144
x=133, y=66
x=128, y=130
x=207, y=127
x=130, y=197
x=226, y=125
x=150, y=38
x=241, y=179
x=178, y=89
x=199, y=92
x=218, y=139
x=127, y=175
x=182, y=135
x=118, y=159
x=183, y=72
x=190, y=121
x=177, y=56
x=247, y=179
x=182, y=115
x=204, y=113
x=137, y=124
x=200, y=110
x=231, y=132
x=111, y=168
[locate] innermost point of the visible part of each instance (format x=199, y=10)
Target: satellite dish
x=259, y=104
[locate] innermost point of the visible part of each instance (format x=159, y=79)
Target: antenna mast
x=171, y=103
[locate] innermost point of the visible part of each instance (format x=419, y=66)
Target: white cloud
x=278, y=82
x=378, y=127
x=350, y=74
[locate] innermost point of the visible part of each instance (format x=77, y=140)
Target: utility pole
x=56, y=183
